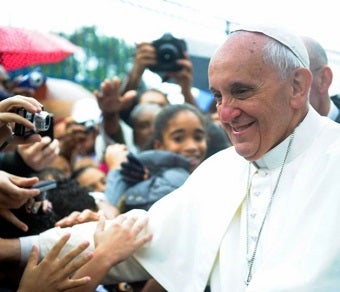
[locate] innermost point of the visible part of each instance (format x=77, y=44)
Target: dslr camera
x=168, y=49
x=33, y=79
x=42, y=121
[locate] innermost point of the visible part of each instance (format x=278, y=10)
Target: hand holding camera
x=9, y=116
x=168, y=50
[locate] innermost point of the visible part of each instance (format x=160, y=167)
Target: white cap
x=86, y=109
x=292, y=41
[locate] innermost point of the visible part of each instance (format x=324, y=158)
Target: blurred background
x=107, y=31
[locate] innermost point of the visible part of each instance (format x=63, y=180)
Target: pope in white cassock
x=262, y=215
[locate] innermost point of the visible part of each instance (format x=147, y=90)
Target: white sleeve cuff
x=26, y=244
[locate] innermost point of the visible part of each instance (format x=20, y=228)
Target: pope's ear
x=301, y=83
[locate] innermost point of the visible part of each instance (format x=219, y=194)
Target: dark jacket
x=167, y=171
x=12, y=162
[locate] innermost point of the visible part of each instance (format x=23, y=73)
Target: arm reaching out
x=53, y=273
x=112, y=245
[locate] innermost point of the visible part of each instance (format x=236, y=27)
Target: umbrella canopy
x=21, y=47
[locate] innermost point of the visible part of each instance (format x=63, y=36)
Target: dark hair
x=142, y=108
x=138, y=98
x=217, y=138
x=79, y=171
x=51, y=173
x=166, y=115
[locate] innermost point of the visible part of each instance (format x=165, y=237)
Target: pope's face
x=253, y=102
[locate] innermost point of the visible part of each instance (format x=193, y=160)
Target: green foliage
x=101, y=57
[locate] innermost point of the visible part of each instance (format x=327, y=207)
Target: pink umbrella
x=21, y=47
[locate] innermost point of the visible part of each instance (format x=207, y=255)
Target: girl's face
x=93, y=178
x=185, y=135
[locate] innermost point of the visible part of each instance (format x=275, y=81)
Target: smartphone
x=44, y=186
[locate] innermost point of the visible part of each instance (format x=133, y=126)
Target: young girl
x=177, y=146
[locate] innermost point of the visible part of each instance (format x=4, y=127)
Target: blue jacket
x=167, y=171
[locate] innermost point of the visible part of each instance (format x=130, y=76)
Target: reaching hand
x=53, y=273
x=133, y=170
x=124, y=235
x=12, y=104
x=71, y=136
x=183, y=77
x=15, y=190
x=40, y=154
x=9, y=117
x=115, y=154
x=77, y=217
x=109, y=99
x=145, y=56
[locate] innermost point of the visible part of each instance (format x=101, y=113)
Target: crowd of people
x=161, y=196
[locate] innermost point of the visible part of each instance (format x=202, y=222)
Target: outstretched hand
x=53, y=273
x=133, y=170
x=122, y=237
x=40, y=154
x=114, y=243
x=15, y=190
x=78, y=217
x=109, y=97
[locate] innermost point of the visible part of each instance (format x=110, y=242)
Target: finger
x=71, y=255
x=70, y=219
x=33, y=138
x=54, y=252
x=33, y=257
x=76, y=264
x=61, y=223
x=88, y=215
x=19, y=101
x=116, y=85
x=101, y=224
x=143, y=239
x=47, y=206
x=15, y=118
x=142, y=234
x=45, y=141
x=139, y=224
x=120, y=218
x=23, y=181
x=10, y=217
x=73, y=283
x=130, y=95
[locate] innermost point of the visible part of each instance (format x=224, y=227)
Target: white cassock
x=200, y=233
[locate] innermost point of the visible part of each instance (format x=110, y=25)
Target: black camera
x=169, y=49
x=42, y=121
x=33, y=79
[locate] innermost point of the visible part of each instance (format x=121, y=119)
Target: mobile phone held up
x=44, y=186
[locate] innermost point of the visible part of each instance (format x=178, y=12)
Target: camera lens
x=168, y=53
x=42, y=121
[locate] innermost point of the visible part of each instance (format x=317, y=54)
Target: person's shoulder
x=229, y=151
x=223, y=159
